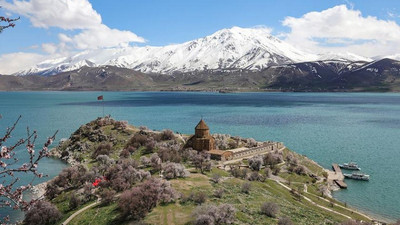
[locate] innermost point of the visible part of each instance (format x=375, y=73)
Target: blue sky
x=43, y=31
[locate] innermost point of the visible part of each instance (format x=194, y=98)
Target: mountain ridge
x=240, y=48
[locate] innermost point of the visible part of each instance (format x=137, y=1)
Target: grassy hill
x=297, y=195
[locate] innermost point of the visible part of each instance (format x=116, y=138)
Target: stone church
x=201, y=140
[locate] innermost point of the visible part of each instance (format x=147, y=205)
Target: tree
x=10, y=195
x=270, y=209
x=285, y=221
x=246, y=187
x=140, y=200
x=211, y=214
x=42, y=213
x=8, y=22
x=202, y=161
x=174, y=170
x=256, y=162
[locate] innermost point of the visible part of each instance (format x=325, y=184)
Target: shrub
x=145, y=161
x=267, y=172
x=211, y=214
x=155, y=162
x=170, y=153
x=300, y=170
x=202, y=161
x=107, y=196
x=251, y=143
x=255, y=176
x=199, y=197
x=102, y=149
x=219, y=193
x=42, y=213
x=256, y=162
x=246, y=187
x=285, y=221
x=216, y=178
x=138, y=201
x=74, y=202
x=174, y=170
x=270, y=209
x=276, y=171
x=104, y=159
x=167, y=135
x=125, y=153
x=272, y=159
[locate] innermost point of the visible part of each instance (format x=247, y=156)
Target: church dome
x=202, y=126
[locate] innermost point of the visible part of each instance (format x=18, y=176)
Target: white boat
x=357, y=176
x=350, y=166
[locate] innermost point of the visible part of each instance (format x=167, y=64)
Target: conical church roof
x=202, y=125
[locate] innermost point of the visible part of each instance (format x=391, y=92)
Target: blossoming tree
x=11, y=191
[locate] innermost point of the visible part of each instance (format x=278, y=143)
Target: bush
x=138, y=201
x=167, y=135
x=239, y=173
x=211, y=214
x=216, y=178
x=199, y=197
x=255, y=176
x=107, y=196
x=219, y=193
x=170, y=153
x=256, y=162
x=251, y=143
x=74, y=202
x=272, y=159
x=155, y=162
x=268, y=172
x=174, y=170
x=246, y=187
x=125, y=154
x=42, y=213
x=145, y=161
x=270, y=209
x=102, y=149
x=300, y=170
x=285, y=221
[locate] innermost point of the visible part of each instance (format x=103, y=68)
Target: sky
x=51, y=29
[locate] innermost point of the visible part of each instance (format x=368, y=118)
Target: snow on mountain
x=394, y=57
x=244, y=48
x=350, y=57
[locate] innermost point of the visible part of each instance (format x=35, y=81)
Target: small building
x=201, y=140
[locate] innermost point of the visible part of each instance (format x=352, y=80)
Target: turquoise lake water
x=327, y=127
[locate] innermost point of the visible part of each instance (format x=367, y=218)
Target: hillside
x=382, y=76
x=122, y=157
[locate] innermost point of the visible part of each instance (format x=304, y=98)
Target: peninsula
x=245, y=181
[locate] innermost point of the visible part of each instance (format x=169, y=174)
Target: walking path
x=71, y=217
x=312, y=202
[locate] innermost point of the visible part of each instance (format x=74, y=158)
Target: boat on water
x=350, y=166
x=357, y=176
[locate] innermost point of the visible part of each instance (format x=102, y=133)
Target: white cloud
x=102, y=36
x=71, y=15
x=65, y=14
x=13, y=62
x=344, y=30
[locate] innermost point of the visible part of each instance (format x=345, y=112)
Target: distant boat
x=357, y=176
x=350, y=166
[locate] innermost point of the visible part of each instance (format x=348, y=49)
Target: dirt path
x=71, y=217
x=312, y=202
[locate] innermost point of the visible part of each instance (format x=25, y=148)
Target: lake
x=327, y=127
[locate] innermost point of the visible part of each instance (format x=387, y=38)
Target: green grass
x=98, y=215
x=62, y=203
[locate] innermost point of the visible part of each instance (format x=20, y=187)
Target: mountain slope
x=382, y=75
x=235, y=48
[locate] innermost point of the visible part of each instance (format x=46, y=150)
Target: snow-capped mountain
x=235, y=48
